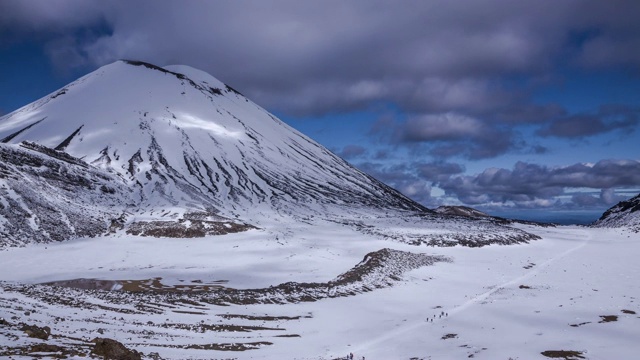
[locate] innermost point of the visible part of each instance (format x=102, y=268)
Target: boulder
x=113, y=350
x=36, y=331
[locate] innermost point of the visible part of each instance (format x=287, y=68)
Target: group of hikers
x=442, y=314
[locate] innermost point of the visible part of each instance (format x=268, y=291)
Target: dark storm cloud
x=607, y=119
x=310, y=57
x=539, y=185
x=438, y=171
x=448, y=135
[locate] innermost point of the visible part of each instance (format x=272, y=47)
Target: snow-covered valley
x=573, y=290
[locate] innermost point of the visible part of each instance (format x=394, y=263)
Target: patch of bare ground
x=473, y=351
x=608, y=318
x=230, y=346
x=630, y=312
x=40, y=351
x=449, y=336
x=263, y=317
x=154, y=284
x=524, y=287
x=563, y=354
x=63, y=346
x=190, y=226
x=201, y=327
x=580, y=324
x=189, y=312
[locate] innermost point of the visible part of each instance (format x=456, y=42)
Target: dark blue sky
x=523, y=107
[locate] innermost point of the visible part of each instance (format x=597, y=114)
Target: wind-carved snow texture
x=176, y=141
x=624, y=214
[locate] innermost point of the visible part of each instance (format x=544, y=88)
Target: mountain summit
x=186, y=139
x=168, y=152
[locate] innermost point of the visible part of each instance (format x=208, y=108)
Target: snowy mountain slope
x=187, y=140
x=624, y=214
x=47, y=195
x=187, y=153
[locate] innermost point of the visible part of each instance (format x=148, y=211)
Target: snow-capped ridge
x=625, y=214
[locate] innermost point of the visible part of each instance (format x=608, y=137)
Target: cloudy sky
x=519, y=108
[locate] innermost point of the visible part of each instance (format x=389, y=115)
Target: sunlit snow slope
x=184, y=155
x=188, y=140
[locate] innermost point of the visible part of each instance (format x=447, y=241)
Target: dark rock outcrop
x=113, y=350
x=36, y=331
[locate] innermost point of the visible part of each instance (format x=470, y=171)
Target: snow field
x=501, y=301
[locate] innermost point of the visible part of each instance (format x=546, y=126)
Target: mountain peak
x=182, y=139
x=174, y=152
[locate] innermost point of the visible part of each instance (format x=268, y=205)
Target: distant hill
x=461, y=211
x=624, y=214
x=468, y=212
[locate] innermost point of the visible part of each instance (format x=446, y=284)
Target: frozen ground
x=576, y=289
